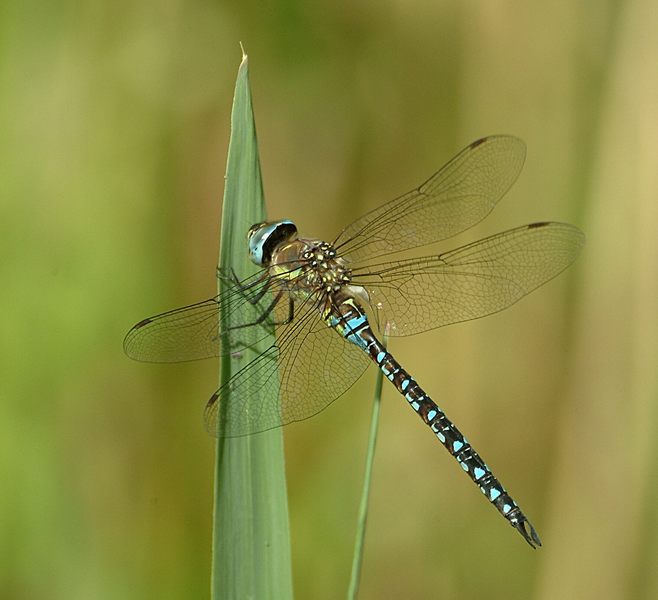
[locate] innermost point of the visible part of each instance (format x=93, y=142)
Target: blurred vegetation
x=113, y=134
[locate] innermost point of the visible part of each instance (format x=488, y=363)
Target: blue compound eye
x=265, y=237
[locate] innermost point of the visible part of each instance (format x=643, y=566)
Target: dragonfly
x=319, y=310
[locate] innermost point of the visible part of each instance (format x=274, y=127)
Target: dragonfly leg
x=267, y=312
x=233, y=280
x=291, y=314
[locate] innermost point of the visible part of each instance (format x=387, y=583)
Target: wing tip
x=127, y=341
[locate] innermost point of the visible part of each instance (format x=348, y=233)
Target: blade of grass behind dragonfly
x=359, y=542
x=251, y=540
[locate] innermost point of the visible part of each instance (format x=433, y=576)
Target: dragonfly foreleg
x=243, y=288
x=267, y=312
x=242, y=344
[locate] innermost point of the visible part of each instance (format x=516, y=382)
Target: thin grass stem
x=359, y=542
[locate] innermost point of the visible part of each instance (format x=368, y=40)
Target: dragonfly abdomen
x=349, y=319
x=455, y=442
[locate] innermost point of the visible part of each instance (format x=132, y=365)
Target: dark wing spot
x=142, y=323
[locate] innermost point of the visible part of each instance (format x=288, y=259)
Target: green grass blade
x=251, y=540
x=357, y=559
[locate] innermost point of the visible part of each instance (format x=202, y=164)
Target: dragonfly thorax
x=322, y=268
x=312, y=265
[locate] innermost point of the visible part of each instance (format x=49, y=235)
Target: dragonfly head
x=263, y=239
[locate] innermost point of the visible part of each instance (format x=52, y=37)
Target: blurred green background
x=113, y=134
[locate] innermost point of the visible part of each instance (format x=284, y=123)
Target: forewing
x=469, y=282
x=309, y=366
x=456, y=197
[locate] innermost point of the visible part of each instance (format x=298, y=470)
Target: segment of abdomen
x=455, y=442
x=353, y=325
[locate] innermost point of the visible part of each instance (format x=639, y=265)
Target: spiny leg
x=263, y=316
x=243, y=288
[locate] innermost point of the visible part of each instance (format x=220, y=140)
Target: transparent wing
x=309, y=366
x=469, y=282
x=456, y=197
x=194, y=332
